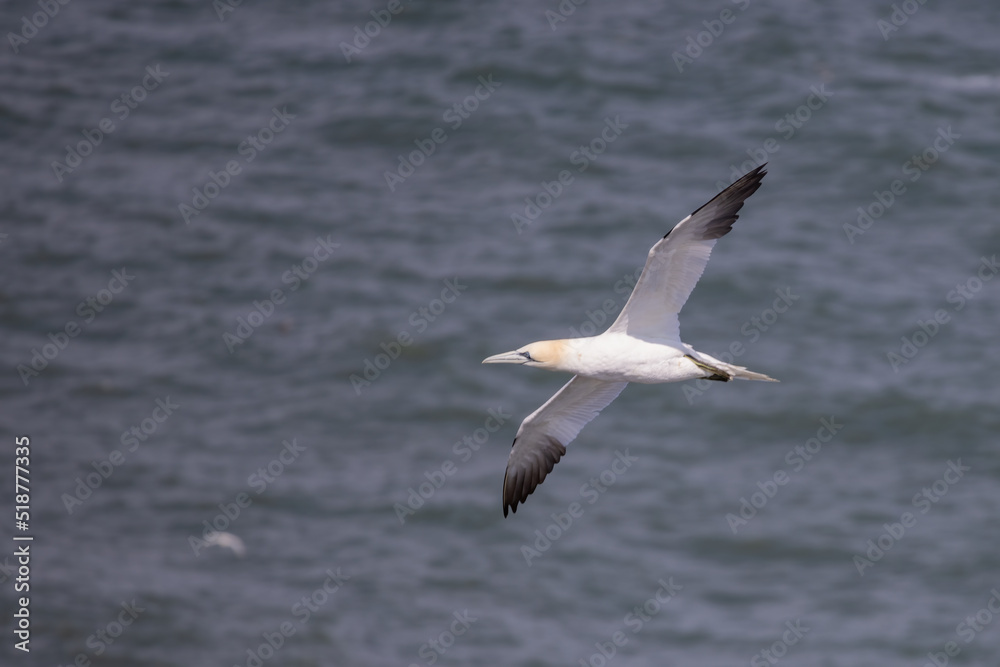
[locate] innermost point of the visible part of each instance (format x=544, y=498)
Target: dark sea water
x=200, y=247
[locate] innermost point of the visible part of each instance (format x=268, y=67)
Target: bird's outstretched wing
x=677, y=261
x=541, y=441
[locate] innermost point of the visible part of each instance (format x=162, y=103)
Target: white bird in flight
x=642, y=345
x=227, y=541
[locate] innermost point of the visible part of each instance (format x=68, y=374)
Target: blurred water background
x=214, y=215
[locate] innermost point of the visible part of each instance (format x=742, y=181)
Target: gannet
x=642, y=345
x=227, y=541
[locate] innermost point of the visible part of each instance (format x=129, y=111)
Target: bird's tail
x=720, y=370
x=743, y=374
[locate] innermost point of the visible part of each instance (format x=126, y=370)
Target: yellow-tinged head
x=547, y=354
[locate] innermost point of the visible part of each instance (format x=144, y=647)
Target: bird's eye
x=527, y=356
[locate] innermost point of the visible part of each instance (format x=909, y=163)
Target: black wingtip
x=727, y=204
x=509, y=502
x=525, y=480
x=503, y=492
x=745, y=185
x=736, y=193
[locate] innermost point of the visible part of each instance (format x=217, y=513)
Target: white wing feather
x=541, y=441
x=675, y=264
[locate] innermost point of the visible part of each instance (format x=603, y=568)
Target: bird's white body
x=643, y=345
x=619, y=357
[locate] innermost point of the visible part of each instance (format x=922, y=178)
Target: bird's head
x=546, y=354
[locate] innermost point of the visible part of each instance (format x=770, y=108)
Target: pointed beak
x=507, y=358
